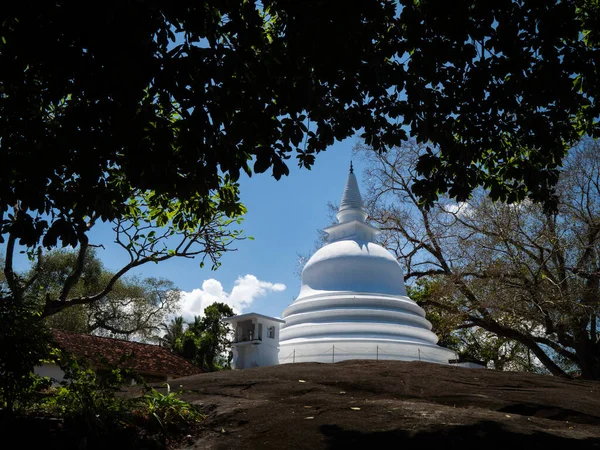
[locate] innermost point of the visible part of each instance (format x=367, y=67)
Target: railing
x=377, y=353
x=247, y=338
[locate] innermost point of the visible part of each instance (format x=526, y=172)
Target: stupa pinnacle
x=353, y=303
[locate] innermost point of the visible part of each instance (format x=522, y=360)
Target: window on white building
x=271, y=332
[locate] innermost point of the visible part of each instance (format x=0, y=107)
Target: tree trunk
x=589, y=361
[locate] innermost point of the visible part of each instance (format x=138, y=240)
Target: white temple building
x=255, y=341
x=353, y=303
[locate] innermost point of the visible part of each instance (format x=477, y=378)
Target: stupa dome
x=352, y=266
x=353, y=299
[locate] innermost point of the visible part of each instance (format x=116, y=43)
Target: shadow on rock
x=483, y=435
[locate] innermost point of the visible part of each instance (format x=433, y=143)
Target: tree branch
x=211, y=238
x=37, y=270
x=12, y=279
x=424, y=273
x=74, y=276
x=494, y=327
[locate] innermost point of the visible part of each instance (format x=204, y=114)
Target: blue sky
x=283, y=218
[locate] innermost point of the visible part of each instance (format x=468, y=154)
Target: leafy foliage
x=23, y=345
x=500, y=90
x=168, y=411
x=88, y=401
x=173, y=333
x=470, y=343
x=74, y=280
x=206, y=341
x=442, y=325
x=180, y=98
x=96, y=413
x=174, y=103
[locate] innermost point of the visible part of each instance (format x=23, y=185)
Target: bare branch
x=210, y=240
x=424, y=273
x=534, y=278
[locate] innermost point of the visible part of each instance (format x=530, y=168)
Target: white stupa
x=353, y=303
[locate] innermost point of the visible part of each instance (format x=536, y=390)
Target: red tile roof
x=144, y=359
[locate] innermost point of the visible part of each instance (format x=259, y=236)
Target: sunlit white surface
x=353, y=303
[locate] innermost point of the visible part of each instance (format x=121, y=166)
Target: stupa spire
x=351, y=206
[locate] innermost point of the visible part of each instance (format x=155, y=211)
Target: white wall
x=322, y=350
x=264, y=351
x=470, y=365
x=52, y=371
x=254, y=355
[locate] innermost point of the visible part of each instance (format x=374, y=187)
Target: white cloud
x=460, y=208
x=245, y=290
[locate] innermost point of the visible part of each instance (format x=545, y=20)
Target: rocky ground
x=376, y=403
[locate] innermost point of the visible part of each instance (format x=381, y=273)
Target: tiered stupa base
x=336, y=326
x=336, y=350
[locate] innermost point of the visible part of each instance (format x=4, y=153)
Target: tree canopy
x=516, y=271
x=210, y=337
x=170, y=99
x=500, y=89
x=134, y=308
x=174, y=99
x=145, y=114
x=205, y=341
x=173, y=332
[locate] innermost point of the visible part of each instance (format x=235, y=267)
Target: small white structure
x=256, y=340
x=468, y=364
x=50, y=370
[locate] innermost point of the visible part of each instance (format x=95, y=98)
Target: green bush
x=24, y=343
x=92, y=405
x=167, y=411
x=89, y=401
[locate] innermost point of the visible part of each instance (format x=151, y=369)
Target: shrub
x=24, y=343
x=167, y=411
